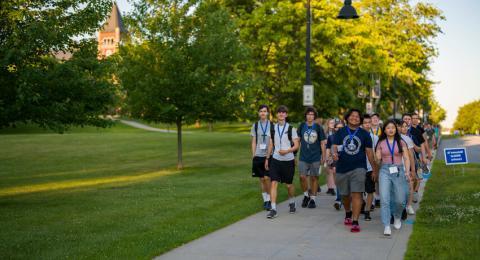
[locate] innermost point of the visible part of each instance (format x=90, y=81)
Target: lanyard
x=409, y=132
x=391, y=149
x=280, y=134
x=376, y=132
x=264, y=130
x=350, y=133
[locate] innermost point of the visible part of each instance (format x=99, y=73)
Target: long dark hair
x=396, y=137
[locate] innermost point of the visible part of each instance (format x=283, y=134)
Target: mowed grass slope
x=116, y=193
x=448, y=222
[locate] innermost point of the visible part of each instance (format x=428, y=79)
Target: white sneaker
x=410, y=210
x=397, y=223
x=387, y=231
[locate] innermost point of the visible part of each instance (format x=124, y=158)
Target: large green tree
x=36, y=87
x=182, y=63
x=468, y=118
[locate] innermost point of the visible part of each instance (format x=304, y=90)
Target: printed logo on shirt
x=351, y=147
x=312, y=139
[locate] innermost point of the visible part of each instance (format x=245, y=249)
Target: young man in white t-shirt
x=284, y=142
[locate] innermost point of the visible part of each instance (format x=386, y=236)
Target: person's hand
x=374, y=176
x=322, y=161
x=266, y=164
x=283, y=152
x=335, y=156
x=407, y=176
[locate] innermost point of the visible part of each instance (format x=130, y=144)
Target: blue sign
x=455, y=156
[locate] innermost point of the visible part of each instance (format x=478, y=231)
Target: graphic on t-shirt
x=351, y=146
x=310, y=139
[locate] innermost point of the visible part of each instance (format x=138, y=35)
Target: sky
x=457, y=68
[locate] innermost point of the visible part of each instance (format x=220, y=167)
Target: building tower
x=110, y=35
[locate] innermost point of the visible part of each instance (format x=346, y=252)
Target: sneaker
x=272, y=214
x=265, y=203
x=397, y=224
x=387, y=231
x=305, y=201
x=377, y=203
x=311, y=204
x=415, y=197
x=292, y=208
x=269, y=205
x=410, y=210
x=337, y=205
x=355, y=229
x=404, y=214
x=363, y=208
x=329, y=191
x=333, y=193
x=367, y=216
x=347, y=221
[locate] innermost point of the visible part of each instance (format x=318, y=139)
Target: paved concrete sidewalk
x=309, y=234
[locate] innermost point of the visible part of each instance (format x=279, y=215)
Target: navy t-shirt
x=351, y=152
x=416, y=136
x=310, y=138
x=330, y=140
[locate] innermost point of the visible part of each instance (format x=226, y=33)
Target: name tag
x=340, y=148
x=393, y=169
x=263, y=146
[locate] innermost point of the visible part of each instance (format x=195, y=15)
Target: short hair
x=398, y=122
x=406, y=114
x=264, y=106
x=374, y=114
x=366, y=116
x=282, y=108
x=309, y=110
x=349, y=113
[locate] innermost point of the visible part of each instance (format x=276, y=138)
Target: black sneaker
x=269, y=205
x=305, y=201
x=333, y=193
x=311, y=204
x=265, y=205
x=377, y=203
x=404, y=214
x=272, y=214
x=367, y=216
x=292, y=208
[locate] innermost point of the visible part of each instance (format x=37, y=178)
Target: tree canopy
x=468, y=118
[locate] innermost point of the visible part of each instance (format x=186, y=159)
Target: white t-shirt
x=262, y=141
x=281, y=142
x=374, y=143
x=408, y=140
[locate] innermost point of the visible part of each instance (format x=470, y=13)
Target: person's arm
x=412, y=161
x=335, y=152
x=378, y=156
x=427, y=147
x=406, y=161
x=371, y=159
x=254, y=146
x=323, y=145
x=269, y=153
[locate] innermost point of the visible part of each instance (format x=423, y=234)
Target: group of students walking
x=368, y=164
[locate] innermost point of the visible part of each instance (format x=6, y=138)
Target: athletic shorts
x=309, y=169
x=369, y=183
x=258, y=167
x=352, y=181
x=282, y=171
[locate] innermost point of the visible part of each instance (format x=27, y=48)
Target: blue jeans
x=392, y=192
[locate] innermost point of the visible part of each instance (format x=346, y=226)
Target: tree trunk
x=179, y=144
x=210, y=126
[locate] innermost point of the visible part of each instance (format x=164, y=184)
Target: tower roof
x=114, y=21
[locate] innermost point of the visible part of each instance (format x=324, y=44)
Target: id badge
x=263, y=146
x=340, y=148
x=393, y=169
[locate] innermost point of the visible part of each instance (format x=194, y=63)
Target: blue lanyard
x=409, y=132
x=264, y=130
x=391, y=149
x=280, y=134
x=350, y=133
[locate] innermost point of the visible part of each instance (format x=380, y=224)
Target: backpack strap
x=272, y=135
x=289, y=132
x=256, y=132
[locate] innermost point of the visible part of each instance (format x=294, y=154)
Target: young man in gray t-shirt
x=260, y=134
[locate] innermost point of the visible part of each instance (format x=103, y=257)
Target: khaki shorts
x=309, y=169
x=352, y=181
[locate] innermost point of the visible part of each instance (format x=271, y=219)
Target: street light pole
x=308, y=80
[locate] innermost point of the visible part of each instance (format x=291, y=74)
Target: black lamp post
x=347, y=12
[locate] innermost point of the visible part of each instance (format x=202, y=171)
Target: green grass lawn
x=115, y=193
x=448, y=222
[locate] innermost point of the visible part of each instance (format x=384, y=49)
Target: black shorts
x=282, y=171
x=369, y=183
x=258, y=167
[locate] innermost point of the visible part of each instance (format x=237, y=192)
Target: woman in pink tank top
x=392, y=154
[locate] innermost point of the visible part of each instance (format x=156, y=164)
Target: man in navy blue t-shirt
x=312, y=152
x=351, y=148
